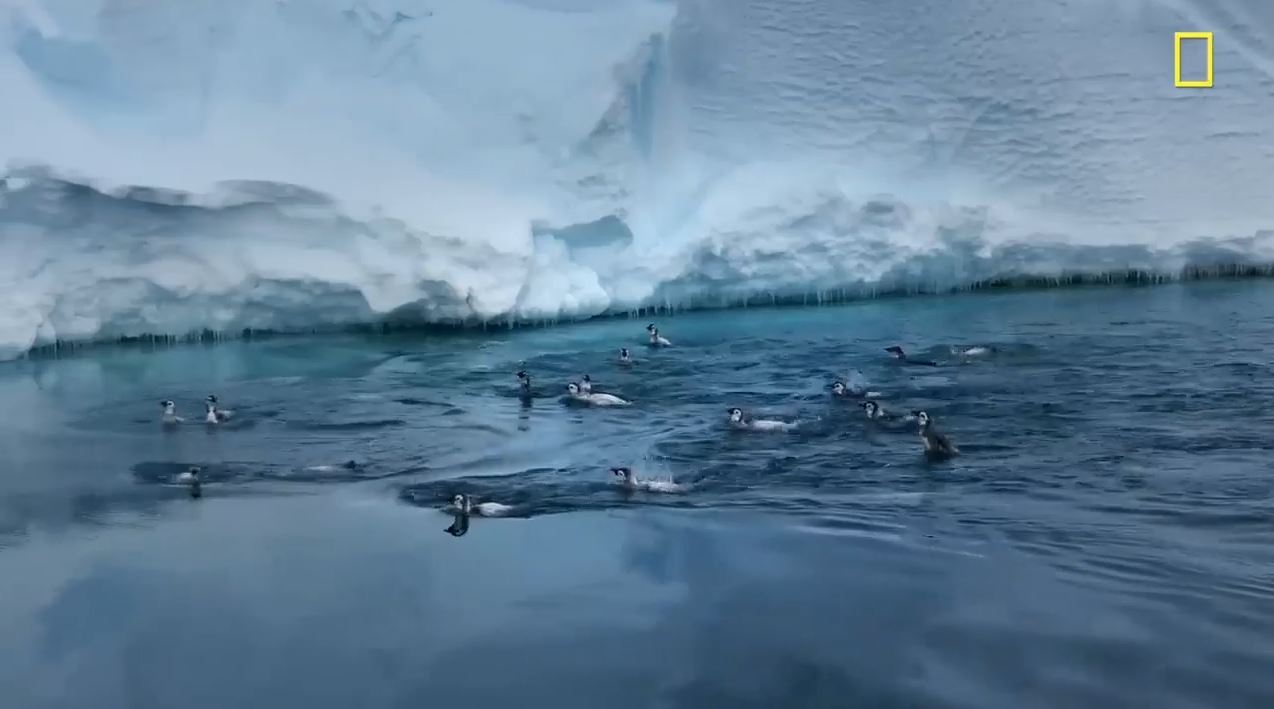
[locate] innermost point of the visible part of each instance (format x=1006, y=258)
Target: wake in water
x=533, y=494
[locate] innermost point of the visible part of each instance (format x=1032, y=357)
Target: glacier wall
x=293, y=164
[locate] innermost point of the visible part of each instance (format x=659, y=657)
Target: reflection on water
x=459, y=525
x=1101, y=539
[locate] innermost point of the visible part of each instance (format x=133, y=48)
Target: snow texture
x=215, y=165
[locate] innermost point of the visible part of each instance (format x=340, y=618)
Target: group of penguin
x=214, y=415
x=936, y=445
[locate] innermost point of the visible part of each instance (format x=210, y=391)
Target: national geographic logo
x=1198, y=68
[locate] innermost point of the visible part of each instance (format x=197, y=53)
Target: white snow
x=291, y=164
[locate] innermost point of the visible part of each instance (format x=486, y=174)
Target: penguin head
x=588, y=379
x=896, y=351
x=212, y=399
x=624, y=473
x=458, y=501
x=736, y=415
x=872, y=409
x=838, y=388
x=572, y=388
x=167, y=404
x=623, y=353
x=650, y=328
x=194, y=471
x=922, y=417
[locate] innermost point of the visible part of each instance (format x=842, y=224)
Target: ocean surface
x=1106, y=538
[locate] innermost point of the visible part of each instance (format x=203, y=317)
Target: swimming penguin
x=655, y=339
x=936, y=444
x=743, y=422
x=586, y=384
x=856, y=388
x=465, y=505
x=625, y=358
x=973, y=350
x=574, y=391
x=170, y=417
x=524, y=384
x=841, y=390
x=900, y=356
x=214, y=414
x=190, y=478
x=350, y=465
x=630, y=481
x=876, y=413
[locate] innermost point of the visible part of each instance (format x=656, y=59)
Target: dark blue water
x=1105, y=538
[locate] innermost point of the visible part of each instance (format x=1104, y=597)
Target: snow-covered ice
x=290, y=164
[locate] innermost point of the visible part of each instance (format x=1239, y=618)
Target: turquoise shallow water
x=1104, y=540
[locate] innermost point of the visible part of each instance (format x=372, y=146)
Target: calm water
x=1105, y=540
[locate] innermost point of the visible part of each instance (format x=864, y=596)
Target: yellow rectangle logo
x=1178, y=38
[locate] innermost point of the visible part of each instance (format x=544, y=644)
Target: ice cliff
x=217, y=165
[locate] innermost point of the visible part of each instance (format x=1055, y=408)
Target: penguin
x=214, y=414
x=464, y=504
x=630, y=481
x=524, y=385
x=936, y=445
x=743, y=422
x=170, y=417
x=190, y=479
x=655, y=339
x=575, y=393
x=903, y=358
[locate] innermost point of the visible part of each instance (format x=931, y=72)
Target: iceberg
x=230, y=165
